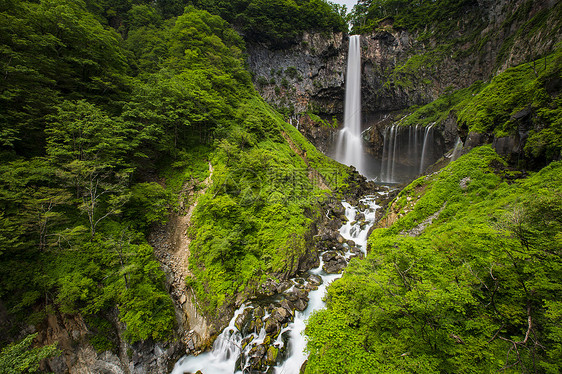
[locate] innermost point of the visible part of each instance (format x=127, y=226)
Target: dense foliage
x=411, y=15
x=19, y=358
x=278, y=22
x=100, y=135
x=493, y=108
x=477, y=291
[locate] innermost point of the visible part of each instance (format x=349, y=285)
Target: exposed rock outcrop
x=307, y=77
x=402, y=68
x=79, y=356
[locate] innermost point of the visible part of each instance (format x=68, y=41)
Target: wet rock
x=259, y=312
x=258, y=325
x=283, y=286
x=269, y=288
x=338, y=210
x=315, y=280
x=246, y=341
x=256, y=355
x=291, y=296
x=272, y=326
x=329, y=256
x=288, y=305
x=356, y=252
x=300, y=305
x=340, y=239
x=241, y=320
x=300, y=281
x=301, y=293
x=333, y=262
x=267, y=340
x=271, y=356
x=282, y=315
x=258, y=351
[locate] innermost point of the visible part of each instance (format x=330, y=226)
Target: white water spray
x=230, y=356
x=349, y=148
x=457, y=150
x=425, y=148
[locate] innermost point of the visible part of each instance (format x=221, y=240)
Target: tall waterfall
x=349, y=149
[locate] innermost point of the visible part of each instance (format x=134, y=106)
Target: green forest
x=101, y=128
x=111, y=110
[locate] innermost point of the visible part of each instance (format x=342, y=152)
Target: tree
x=18, y=358
x=90, y=147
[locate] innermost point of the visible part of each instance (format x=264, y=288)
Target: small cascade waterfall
x=349, y=145
x=243, y=345
x=457, y=150
x=406, y=152
x=426, y=137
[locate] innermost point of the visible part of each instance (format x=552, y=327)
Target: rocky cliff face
x=402, y=68
x=307, y=78
x=73, y=335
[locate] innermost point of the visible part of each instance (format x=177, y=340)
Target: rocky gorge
x=403, y=70
x=411, y=82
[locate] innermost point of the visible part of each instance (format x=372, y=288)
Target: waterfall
x=349, y=149
x=237, y=347
x=407, y=151
x=425, y=148
x=457, y=150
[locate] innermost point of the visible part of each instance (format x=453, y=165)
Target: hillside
x=462, y=276
x=163, y=168
x=108, y=143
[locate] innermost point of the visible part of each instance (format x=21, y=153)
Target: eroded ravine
x=266, y=335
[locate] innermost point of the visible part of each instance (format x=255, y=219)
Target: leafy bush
x=475, y=292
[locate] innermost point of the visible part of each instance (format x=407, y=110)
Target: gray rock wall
x=402, y=68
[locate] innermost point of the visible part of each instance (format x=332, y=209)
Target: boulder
x=283, y=286
x=272, y=326
x=241, y=320
x=282, y=315
x=259, y=312
x=258, y=351
x=340, y=239
x=288, y=305
x=315, y=280
x=329, y=256
x=271, y=356
x=356, y=252
x=300, y=305
x=333, y=262
x=268, y=288
x=258, y=325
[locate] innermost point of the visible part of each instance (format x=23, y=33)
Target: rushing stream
x=251, y=343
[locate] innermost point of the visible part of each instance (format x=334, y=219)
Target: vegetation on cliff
x=466, y=279
x=99, y=135
x=523, y=99
x=411, y=15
